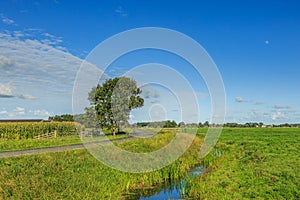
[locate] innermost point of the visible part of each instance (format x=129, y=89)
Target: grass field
x=13, y=144
x=78, y=175
x=255, y=163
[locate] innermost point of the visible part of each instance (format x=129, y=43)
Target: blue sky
x=255, y=45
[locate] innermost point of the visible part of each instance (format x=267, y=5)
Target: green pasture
x=252, y=163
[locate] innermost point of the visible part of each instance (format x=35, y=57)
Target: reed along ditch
x=170, y=188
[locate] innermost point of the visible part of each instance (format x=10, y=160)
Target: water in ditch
x=171, y=189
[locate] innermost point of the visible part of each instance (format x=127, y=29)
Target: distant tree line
x=170, y=124
x=159, y=124
x=89, y=120
x=62, y=118
x=258, y=125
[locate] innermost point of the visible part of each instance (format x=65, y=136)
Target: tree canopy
x=113, y=101
x=62, y=118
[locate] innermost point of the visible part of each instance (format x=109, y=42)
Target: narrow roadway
x=27, y=152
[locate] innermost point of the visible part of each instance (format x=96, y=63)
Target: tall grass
x=78, y=175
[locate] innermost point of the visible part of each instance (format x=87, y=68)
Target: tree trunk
x=114, y=129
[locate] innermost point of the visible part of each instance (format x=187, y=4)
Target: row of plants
x=26, y=130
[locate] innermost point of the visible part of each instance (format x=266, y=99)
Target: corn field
x=25, y=130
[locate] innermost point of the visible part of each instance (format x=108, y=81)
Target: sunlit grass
x=21, y=144
x=255, y=163
x=78, y=175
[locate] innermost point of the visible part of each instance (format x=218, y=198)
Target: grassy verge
x=78, y=175
x=21, y=144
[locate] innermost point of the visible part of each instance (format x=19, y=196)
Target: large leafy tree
x=113, y=101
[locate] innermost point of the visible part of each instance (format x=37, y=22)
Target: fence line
x=46, y=135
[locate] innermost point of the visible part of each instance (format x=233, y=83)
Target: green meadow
x=252, y=163
x=256, y=163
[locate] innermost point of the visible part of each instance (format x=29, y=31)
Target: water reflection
x=171, y=189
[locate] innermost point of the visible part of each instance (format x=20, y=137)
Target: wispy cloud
x=154, y=101
x=3, y=112
x=20, y=112
x=278, y=115
x=263, y=114
x=8, y=91
x=5, y=62
x=40, y=113
x=150, y=93
x=36, y=64
x=6, y=20
x=38, y=70
x=16, y=112
x=240, y=99
x=27, y=96
x=259, y=103
x=121, y=11
x=281, y=107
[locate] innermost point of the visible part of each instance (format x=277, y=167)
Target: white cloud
x=150, y=93
x=38, y=70
x=121, y=11
x=18, y=111
x=26, y=96
x=40, y=113
x=48, y=35
x=258, y=103
x=37, y=65
x=278, y=115
x=19, y=34
x=3, y=112
x=4, y=61
x=6, y=91
x=6, y=20
x=239, y=99
x=268, y=114
x=281, y=107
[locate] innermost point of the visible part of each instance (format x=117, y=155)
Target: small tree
x=114, y=100
x=181, y=125
x=206, y=124
x=170, y=124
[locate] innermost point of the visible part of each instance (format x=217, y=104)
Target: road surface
x=27, y=152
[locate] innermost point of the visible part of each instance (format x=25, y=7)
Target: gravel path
x=26, y=152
